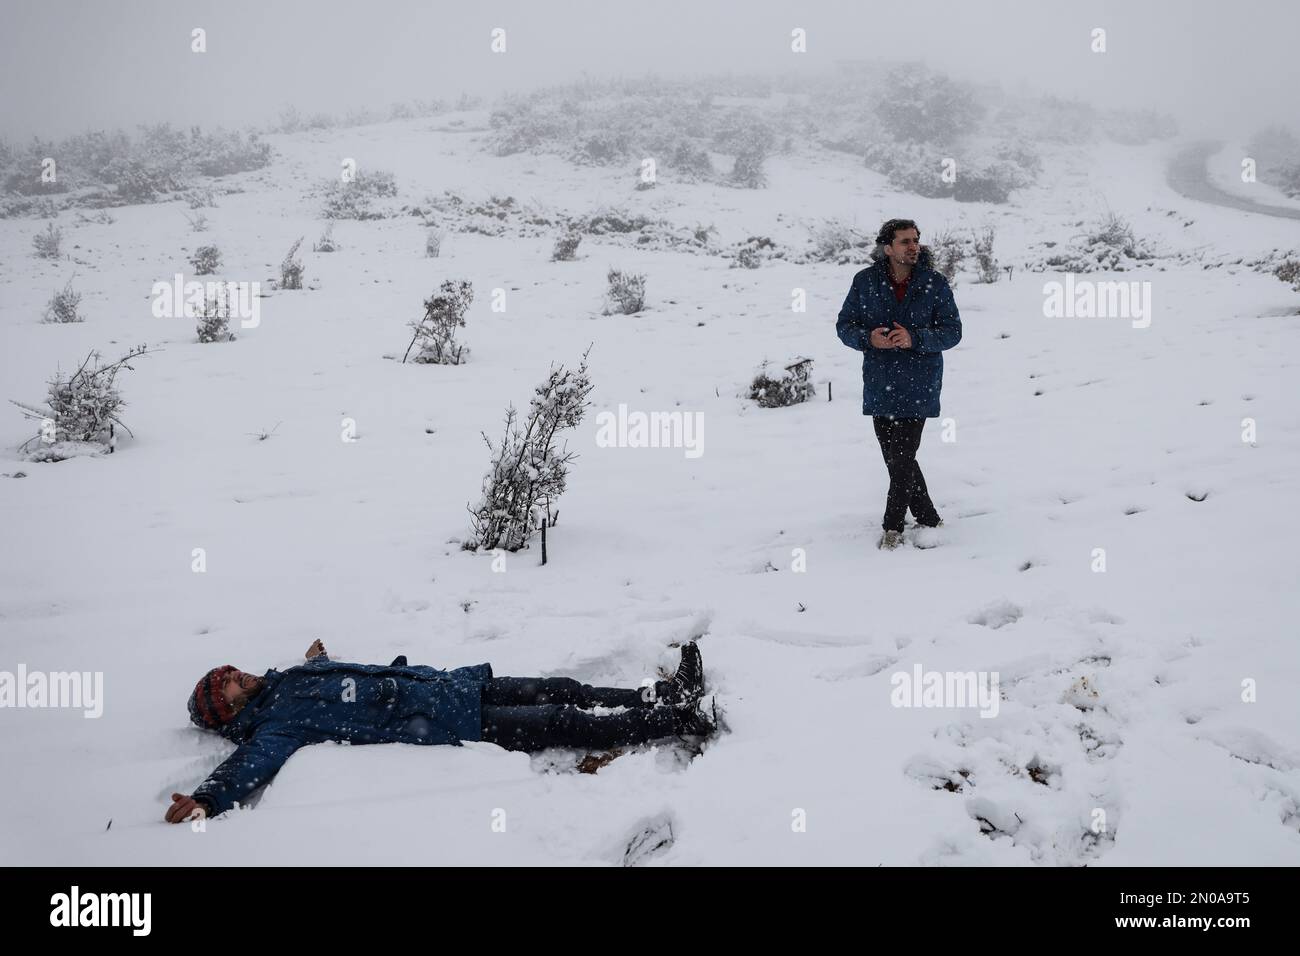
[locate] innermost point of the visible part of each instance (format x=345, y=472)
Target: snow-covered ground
x=1121, y=691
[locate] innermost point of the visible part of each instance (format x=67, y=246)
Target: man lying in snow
x=270, y=717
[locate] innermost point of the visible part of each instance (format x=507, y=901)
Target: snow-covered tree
x=206, y=260
x=435, y=333
x=291, y=268
x=83, y=407
x=63, y=306
x=529, y=469
x=214, y=321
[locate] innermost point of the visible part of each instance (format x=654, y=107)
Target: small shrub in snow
x=433, y=243
x=435, y=333
x=200, y=198
x=747, y=172
x=82, y=408
x=794, y=387
x=101, y=218
x=528, y=470
x=63, y=306
x=626, y=292
x=988, y=266
x=291, y=268
x=566, y=247
x=751, y=253
x=1110, y=247
x=47, y=243
x=613, y=220
x=198, y=223
x=214, y=321
x=326, y=242
x=948, y=251
x=1114, y=231
x=835, y=242
x=206, y=260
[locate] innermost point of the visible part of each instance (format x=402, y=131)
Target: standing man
x=901, y=315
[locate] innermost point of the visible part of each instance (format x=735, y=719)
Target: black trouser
x=899, y=440
x=532, y=713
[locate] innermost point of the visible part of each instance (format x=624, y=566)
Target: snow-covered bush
x=1022, y=154
x=691, y=163
x=751, y=253
x=435, y=332
x=198, y=223
x=138, y=181
x=206, y=260
x=991, y=182
x=626, y=292
x=214, y=321
x=291, y=267
x=928, y=108
x=47, y=243
x=747, y=171
x=794, y=387
x=326, y=242
x=63, y=305
x=433, y=243
x=1110, y=246
x=223, y=154
x=81, y=409
x=948, y=252
x=354, y=198
x=835, y=242
x=912, y=167
x=528, y=470
x=199, y=198
x=566, y=247
x=988, y=266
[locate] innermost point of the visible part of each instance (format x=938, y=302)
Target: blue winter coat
x=312, y=703
x=901, y=383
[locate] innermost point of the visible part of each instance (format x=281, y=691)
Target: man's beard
x=248, y=694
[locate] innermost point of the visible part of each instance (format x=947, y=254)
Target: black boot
x=690, y=721
x=687, y=685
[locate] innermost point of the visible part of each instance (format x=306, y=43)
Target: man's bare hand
x=880, y=338
x=316, y=649
x=183, y=808
x=900, y=338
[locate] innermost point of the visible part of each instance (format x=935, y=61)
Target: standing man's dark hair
x=901, y=315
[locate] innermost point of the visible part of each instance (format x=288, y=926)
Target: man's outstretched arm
x=252, y=765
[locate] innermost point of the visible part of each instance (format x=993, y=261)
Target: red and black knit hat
x=208, y=706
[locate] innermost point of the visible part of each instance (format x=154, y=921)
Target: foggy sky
x=72, y=65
